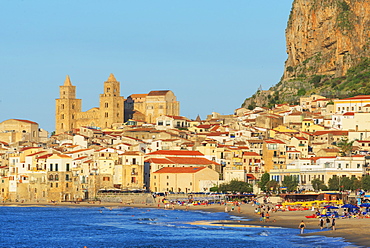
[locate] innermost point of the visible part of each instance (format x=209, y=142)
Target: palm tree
x=346, y=147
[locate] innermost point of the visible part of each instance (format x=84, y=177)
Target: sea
x=52, y=226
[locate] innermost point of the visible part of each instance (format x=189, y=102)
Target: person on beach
x=333, y=224
x=321, y=223
x=267, y=217
x=327, y=222
x=302, y=226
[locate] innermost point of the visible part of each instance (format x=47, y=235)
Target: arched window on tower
x=106, y=105
x=73, y=106
x=106, y=114
x=62, y=117
x=62, y=106
x=108, y=89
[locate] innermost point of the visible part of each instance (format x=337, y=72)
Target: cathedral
x=113, y=109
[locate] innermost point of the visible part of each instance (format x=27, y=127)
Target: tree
x=333, y=183
x=236, y=186
x=345, y=183
x=346, y=147
x=214, y=189
x=290, y=182
x=272, y=184
x=264, y=180
x=356, y=184
x=318, y=184
x=365, y=182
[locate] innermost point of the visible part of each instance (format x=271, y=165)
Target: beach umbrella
x=349, y=206
x=330, y=207
x=365, y=205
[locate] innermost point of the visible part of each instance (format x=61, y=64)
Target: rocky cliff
x=324, y=38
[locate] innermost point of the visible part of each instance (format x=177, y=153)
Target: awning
x=251, y=176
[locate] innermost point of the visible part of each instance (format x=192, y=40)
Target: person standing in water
x=302, y=226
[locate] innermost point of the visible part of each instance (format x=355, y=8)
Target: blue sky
x=211, y=54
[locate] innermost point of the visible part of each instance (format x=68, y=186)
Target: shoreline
x=351, y=230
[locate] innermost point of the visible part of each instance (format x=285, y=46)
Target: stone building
x=148, y=107
x=113, y=108
x=68, y=113
x=15, y=130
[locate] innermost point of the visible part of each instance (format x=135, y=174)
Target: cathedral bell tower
x=67, y=107
x=111, y=103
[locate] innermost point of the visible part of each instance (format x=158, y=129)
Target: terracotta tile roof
x=27, y=148
x=80, y=158
x=300, y=138
x=159, y=161
x=4, y=143
x=177, y=117
x=334, y=132
x=158, y=92
x=45, y=156
x=204, y=126
x=176, y=152
x=138, y=95
x=63, y=156
x=250, y=154
x=26, y=121
x=274, y=141
x=348, y=114
x=360, y=97
x=180, y=170
x=197, y=161
x=316, y=158
x=34, y=154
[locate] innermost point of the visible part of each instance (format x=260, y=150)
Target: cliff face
x=324, y=38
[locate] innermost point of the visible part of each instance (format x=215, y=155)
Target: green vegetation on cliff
x=355, y=82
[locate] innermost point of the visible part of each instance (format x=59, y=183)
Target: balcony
x=302, y=145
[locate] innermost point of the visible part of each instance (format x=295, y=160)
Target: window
x=51, y=177
x=56, y=177
x=106, y=105
x=51, y=167
x=51, y=185
x=56, y=167
x=56, y=185
x=67, y=177
x=66, y=185
x=67, y=167
x=106, y=179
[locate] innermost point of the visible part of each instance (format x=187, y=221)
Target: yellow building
x=113, y=109
x=15, y=130
x=353, y=104
x=68, y=112
x=181, y=179
x=148, y=107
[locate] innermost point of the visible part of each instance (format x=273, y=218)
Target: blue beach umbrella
x=365, y=205
x=330, y=207
x=349, y=206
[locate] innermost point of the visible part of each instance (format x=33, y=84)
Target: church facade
x=113, y=108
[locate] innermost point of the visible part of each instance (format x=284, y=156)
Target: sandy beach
x=352, y=230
